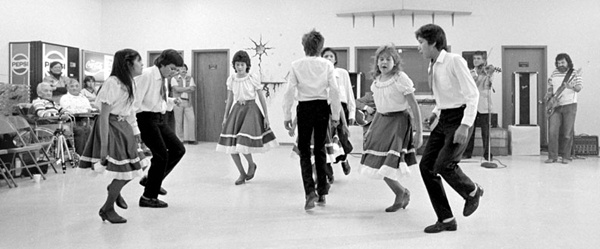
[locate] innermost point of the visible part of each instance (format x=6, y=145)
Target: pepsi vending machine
x=30, y=61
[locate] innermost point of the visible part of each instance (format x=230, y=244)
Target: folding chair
x=17, y=153
x=4, y=170
x=29, y=137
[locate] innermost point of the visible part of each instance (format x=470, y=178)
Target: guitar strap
x=565, y=81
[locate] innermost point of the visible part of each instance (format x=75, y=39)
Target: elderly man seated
x=44, y=107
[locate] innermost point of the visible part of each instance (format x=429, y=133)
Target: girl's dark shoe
x=115, y=220
x=241, y=180
x=251, y=172
x=120, y=201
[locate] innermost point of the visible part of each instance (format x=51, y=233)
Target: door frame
x=151, y=52
x=195, y=75
x=347, y=49
x=508, y=90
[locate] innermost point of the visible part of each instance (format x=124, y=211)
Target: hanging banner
x=53, y=53
x=19, y=63
x=96, y=64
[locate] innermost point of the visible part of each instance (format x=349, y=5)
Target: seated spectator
x=73, y=101
x=88, y=90
x=43, y=105
x=75, y=104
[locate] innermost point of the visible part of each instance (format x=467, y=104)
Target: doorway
x=153, y=54
x=518, y=59
x=413, y=64
x=342, y=57
x=211, y=69
x=364, y=65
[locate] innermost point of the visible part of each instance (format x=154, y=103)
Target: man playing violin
x=482, y=74
x=561, y=121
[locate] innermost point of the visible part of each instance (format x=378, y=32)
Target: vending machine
x=29, y=62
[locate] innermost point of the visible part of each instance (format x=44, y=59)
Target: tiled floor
x=529, y=204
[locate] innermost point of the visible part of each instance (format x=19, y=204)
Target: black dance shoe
x=143, y=181
x=152, y=203
x=115, y=220
x=473, y=202
x=310, y=201
x=346, y=167
x=120, y=201
x=441, y=226
x=321, y=201
x=249, y=176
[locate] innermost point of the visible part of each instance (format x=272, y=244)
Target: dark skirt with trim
x=123, y=159
x=244, y=131
x=388, y=147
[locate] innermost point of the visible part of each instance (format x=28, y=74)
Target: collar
x=49, y=100
x=156, y=73
x=441, y=56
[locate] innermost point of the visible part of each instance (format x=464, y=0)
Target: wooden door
x=211, y=69
x=413, y=64
x=342, y=57
x=364, y=64
x=524, y=59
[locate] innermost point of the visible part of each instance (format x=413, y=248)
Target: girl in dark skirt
x=112, y=146
x=389, y=143
x=245, y=129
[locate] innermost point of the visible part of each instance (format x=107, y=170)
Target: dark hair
x=186, y=68
x=483, y=54
x=241, y=56
x=52, y=64
x=563, y=56
x=313, y=42
x=390, y=50
x=86, y=81
x=328, y=49
x=432, y=34
x=168, y=56
x=122, y=68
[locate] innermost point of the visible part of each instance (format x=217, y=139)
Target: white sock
x=448, y=220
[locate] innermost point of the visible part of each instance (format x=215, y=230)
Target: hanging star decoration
x=260, y=49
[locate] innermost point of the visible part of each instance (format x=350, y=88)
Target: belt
x=185, y=99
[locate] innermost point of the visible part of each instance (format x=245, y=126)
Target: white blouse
x=243, y=88
x=115, y=94
x=389, y=94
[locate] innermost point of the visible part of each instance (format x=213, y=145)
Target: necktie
x=430, y=78
x=163, y=91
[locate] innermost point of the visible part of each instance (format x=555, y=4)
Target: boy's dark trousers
x=313, y=119
x=440, y=160
x=166, y=149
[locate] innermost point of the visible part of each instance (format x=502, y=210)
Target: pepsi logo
x=53, y=56
x=19, y=64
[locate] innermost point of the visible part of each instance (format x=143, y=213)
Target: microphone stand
x=489, y=162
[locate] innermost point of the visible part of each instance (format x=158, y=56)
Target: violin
x=492, y=69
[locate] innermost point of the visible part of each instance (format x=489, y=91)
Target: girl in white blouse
x=112, y=146
x=389, y=143
x=245, y=129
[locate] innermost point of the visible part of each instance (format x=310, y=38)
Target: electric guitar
x=552, y=101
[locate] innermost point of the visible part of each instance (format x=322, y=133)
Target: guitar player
x=563, y=86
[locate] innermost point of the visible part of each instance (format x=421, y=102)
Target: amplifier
x=585, y=145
